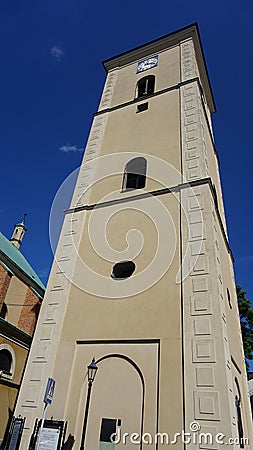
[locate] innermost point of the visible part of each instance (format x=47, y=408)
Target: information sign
x=48, y=397
x=49, y=439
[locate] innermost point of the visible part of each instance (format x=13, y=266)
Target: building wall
x=22, y=312
x=29, y=312
x=8, y=393
x=22, y=303
x=5, y=278
x=14, y=299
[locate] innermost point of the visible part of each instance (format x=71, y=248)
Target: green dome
x=9, y=253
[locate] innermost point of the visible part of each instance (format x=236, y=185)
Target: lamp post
x=92, y=370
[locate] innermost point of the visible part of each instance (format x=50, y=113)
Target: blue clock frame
x=147, y=64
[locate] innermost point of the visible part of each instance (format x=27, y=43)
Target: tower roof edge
x=162, y=43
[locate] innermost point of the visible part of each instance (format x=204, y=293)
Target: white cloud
x=57, y=52
x=67, y=148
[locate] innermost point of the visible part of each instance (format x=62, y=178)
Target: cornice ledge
x=152, y=47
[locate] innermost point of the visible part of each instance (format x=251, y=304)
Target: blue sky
x=51, y=80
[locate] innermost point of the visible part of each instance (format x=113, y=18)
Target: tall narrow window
x=135, y=174
x=229, y=299
x=145, y=86
x=3, y=311
x=239, y=414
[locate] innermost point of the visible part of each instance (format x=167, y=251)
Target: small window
x=142, y=107
x=145, y=86
x=135, y=174
x=3, y=311
x=5, y=361
x=229, y=299
x=123, y=270
x=108, y=428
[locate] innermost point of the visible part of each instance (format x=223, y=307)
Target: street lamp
x=92, y=370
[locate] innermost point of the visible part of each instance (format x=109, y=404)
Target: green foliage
x=246, y=318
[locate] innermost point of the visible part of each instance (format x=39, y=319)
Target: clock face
x=147, y=64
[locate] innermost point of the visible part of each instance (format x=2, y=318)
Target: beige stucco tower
x=143, y=276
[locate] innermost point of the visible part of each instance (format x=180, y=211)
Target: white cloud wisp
x=57, y=52
x=67, y=148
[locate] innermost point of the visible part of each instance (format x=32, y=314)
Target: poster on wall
x=49, y=439
x=15, y=433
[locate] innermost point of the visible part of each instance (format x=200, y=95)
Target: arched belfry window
x=145, y=86
x=5, y=361
x=135, y=174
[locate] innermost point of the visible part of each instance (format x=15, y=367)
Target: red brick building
x=21, y=293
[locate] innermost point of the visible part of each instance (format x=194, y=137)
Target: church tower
x=18, y=233
x=142, y=279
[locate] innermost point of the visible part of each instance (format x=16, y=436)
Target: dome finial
x=23, y=220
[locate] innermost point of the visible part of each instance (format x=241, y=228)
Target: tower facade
x=143, y=277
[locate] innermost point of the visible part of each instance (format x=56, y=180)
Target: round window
x=123, y=270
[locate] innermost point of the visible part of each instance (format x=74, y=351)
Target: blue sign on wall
x=48, y=397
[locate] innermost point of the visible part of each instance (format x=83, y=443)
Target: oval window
x=123, y=270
